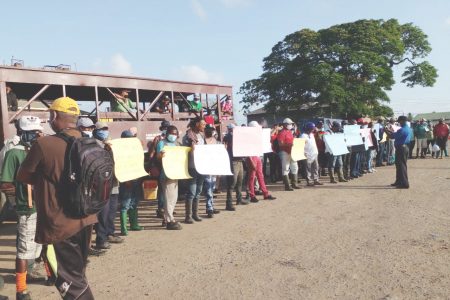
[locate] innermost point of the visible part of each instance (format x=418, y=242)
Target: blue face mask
x=101, y=134
x=171, y=138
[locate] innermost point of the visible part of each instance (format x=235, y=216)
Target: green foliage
x=345, y=69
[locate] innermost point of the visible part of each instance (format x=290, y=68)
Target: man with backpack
x=29, y=129
x=67, y=239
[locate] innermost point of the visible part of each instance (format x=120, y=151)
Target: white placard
x=212, y=160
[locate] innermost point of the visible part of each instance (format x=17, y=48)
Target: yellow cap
x=66, y=105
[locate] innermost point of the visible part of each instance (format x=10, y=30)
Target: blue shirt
x=402, y=136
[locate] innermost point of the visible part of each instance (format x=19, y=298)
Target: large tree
x=345, y=69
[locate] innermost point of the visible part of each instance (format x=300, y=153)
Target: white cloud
x=236, y=3
x=119, y=65
x=198, y=9
x=116, y=64
x=447, y=21
x=194, y=73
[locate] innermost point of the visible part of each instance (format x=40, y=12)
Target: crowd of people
x=33, y=164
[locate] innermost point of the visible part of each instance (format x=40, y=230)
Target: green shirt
x=421, y=131
x=11, y=164
x=196, y=106
x=119, y=107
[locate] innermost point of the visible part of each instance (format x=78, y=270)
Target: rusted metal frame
x=151, y=105
x=219, y=108
x=120, y=102
x=97, y=105
x=172, y=114
x=189, y=105
x=4, y=108
x=220, y=101
x=138, y=110
x=43, y=89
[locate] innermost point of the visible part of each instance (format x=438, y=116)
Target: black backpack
x=87, y=179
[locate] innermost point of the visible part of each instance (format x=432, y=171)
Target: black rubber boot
x=341, y=176
x=331, y=173
x=287, y=186
x=188, y=212
x=195, y=215
x=294, y=181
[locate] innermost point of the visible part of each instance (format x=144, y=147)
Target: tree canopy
x=345, y=69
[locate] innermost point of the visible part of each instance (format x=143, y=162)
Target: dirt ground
x=357, y=240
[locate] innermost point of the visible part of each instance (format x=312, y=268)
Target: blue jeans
x=106, y=216
x=195, y=185
x=130, y=196
x=380, y=154
x=160, y=195
x=210, y=182
x=356, y=165
x=334, y=161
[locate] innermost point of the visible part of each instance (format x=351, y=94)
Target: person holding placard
x=289, y=166
x=237, y=167
x=169, y=186
x=210, y=180
x=195, y=135
x=311, y=153
x=335, y=161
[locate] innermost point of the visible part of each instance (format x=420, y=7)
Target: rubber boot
x=341, y=176
x=229, y=204
x=134, y=224
x=123, y=222
x=294, y=181
x=331, y=173
x=188, y=212
x=287, y=186
x=195, y=215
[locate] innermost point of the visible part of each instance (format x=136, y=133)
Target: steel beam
x=43, y=89
x=151, y=105
x=4, y=108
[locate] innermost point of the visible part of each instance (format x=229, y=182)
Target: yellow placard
x=175, y=162
x=298, y=149
x=128, y=159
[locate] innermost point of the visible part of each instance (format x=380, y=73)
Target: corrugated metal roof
x=433, y=116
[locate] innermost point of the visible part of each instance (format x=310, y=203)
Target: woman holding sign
x=169, y=186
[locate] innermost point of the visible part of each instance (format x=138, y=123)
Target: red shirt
x=441, y=130
x=285, y=137
x=209, y=120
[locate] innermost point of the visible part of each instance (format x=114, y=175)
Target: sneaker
x=254, y=200
x=210, y=214
x=105, y=245
x=96, y=252
x=115, y=239
x=270, y=197
x=173, y=226
x=242, y=202
x=25, y=295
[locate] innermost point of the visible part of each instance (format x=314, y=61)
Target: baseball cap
x=30, y=123
x=126, y=134
x=100, y=125
x=66, y=105
x=253, y=124
x=85, y=122
x=310, y=126
x=287, y=121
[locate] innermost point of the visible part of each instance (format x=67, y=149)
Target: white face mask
x=87, y=133
x=289, y=127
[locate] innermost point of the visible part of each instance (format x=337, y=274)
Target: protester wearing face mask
x=169, y=187
x=29, y=129
x=155, y=165
x=101, y=131
x=86, y=127
x=285, y=140
x=196, y=105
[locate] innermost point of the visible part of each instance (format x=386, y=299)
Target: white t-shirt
x=311, y=150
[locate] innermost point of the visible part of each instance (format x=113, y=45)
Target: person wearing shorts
x=28, y=128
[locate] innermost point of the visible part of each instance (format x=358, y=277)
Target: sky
x=215, y=41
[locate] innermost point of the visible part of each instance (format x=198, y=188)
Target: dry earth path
x=359, y=240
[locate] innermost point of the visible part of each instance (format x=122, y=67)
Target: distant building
x=433, y=117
